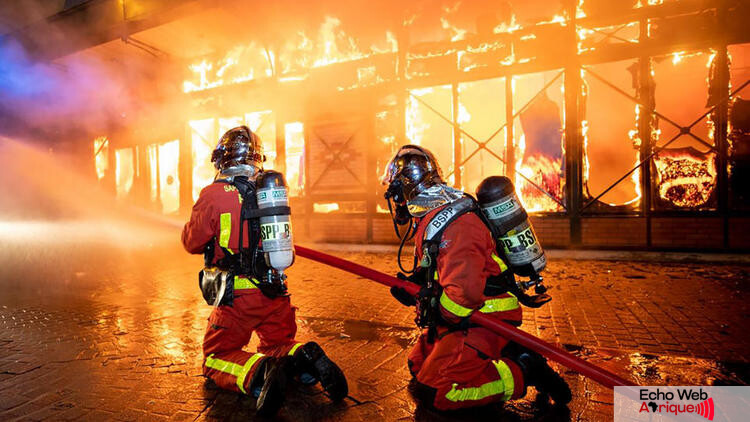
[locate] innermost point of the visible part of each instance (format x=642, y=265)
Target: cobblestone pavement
x=90, y=331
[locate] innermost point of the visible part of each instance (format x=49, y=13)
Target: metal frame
x=458, y=161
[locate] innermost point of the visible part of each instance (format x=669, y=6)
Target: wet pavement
x=92, y=331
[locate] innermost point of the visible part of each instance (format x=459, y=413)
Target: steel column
x=720, y=119
x=646, y=97
x=510, y=148
x=573, y=137
x=457, y=156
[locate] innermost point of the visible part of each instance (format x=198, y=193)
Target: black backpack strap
x=249, y=205
x=248, y=212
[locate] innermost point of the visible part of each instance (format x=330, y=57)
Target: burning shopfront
x=622, y=124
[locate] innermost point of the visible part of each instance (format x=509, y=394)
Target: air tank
x=276, y=228
x=511, y=226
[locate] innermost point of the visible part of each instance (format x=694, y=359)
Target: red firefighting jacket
x=216, y=214
x=466, y=258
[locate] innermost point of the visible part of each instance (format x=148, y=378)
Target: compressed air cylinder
x=275, y=229
x=497, y=199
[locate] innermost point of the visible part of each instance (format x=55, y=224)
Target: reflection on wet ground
x=93, y=329
x=358, y=330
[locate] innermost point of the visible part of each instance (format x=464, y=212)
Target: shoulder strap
x=437, y=226
x=446, y=216
x=248, y=212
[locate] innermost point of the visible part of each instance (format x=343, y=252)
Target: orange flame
x=247, y=62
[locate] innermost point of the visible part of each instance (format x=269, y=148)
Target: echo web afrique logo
x=663, y=402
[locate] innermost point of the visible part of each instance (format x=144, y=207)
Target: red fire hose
x=577, y=364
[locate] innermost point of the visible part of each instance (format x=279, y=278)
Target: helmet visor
x=238, y=146
x=396, y=165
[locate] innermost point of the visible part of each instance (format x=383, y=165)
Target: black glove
x=416, y=277
x=402, y=296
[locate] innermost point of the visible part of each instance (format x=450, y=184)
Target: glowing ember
x=685, y=176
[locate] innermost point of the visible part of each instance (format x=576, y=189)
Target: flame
x=545, y=172
x=507, y=27
x=456, y=32
x=685, y=177
x=101, y=159
x=677, y=57
x=331, y=45
x=124, y=171
x=463, y=114
x=558, y=19
x=296, y=55
x=649, y=3
x=238, y=65
x=295, y=154
x=325, y=208
x=635, y=139
x=580, y=14
x=415, y=124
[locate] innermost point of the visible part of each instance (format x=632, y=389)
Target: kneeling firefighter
x=456, y=364
x=241, y=225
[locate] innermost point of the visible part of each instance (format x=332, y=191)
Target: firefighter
x=236, y=279
x=456, y=364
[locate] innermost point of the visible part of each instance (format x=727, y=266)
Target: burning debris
x=540, y=156
x=686, y=177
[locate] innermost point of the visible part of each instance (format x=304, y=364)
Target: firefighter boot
x=538, y=373
x=271, y=379
x=311, y=359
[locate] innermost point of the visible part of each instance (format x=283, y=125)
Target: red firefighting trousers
x=465, y=368
x=230, y=328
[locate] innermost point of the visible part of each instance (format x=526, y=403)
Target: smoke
x=104, y=89
x=59, y=230
x=34, y=93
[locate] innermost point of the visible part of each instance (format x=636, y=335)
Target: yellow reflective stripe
x=454, y=307
x=294, y=349
x=506, y=376
x=223, y=365
x=225, y=222
x=500, y=263
x=239, y=371
x=246, y=369
x=502, y=386
x=499, y=304
x=243, y=283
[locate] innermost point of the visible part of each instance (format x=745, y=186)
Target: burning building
x=622, y=123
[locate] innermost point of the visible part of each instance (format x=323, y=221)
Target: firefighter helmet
x=238, y=147
x=411, y=171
